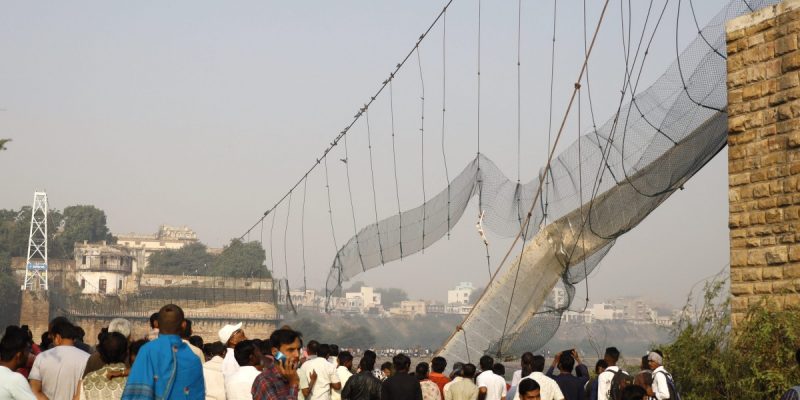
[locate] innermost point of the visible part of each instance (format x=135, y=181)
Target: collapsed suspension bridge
x=584, y=197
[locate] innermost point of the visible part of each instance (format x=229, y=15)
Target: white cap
x=120, y=325
x=227, y=331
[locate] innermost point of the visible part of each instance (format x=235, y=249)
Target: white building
x=102, y=268
x=460, y=295
x=364, y=299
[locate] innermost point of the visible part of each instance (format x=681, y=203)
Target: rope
x=303, y=233
x=550, y=117
x=444, y=109
x=346, y=161
x=422, y=147
x=394, y=160
x=374, y=194
x=356, y=117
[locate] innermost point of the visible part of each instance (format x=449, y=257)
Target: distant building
x=102, y=268
x=461, y=294
x=167, y=238
x=409, y=308
x=364, y=299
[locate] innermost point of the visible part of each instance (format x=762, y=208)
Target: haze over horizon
x=203, y=114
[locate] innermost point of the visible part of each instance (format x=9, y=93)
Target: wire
x=547, y=171
x=444, y=109
x=422, y=147
x=678, y=64
x=374, y=194
x=346, y=161
x=285, y=235
x=330, y=209
x=700, y=31
x=271, y=260
x=356, y=117
x=303, y=233
x=394, y=161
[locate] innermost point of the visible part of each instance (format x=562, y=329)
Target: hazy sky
x=204, y=113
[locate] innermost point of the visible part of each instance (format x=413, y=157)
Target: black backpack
x=673, y=393
x=619, y=382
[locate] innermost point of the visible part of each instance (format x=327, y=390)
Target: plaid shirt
x=271, y=385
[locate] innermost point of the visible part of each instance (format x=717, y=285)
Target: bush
x=755, y=361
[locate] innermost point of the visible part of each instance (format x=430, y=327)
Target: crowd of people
x=171, y=363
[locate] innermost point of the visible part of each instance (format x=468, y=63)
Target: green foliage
x=83, y=222
x=392, y=296
x=190, y=259
x=239, y=260
x=3, y=143
x=754, y=361
x=9, y=291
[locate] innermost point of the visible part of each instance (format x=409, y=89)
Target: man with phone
x=279, y=379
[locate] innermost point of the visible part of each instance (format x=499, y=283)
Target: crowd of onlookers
x=171, y=363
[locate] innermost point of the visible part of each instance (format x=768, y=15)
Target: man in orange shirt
x=438, y=364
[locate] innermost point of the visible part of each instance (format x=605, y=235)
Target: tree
x=355, y=336
x=3, y=143
x=475, y=295
x=240, y=259
x=9, y=291
x=190, y=259
x=392, y=296
x=83, y=222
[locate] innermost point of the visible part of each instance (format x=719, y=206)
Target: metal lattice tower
x=36, y=267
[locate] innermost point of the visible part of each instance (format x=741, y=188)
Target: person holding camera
x=572, y=386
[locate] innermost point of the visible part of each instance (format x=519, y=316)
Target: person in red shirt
x=437, y=376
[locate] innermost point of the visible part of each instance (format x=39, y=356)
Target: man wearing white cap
x=231, y=335
x=661, y=378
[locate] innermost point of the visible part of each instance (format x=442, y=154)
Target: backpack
x=673, y=393
x=619, y=382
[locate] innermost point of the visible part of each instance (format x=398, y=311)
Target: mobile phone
x=281, y=358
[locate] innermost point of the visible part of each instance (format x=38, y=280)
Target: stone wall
x=35, y=312
x=764, y=157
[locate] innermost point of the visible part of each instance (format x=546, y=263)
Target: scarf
x=165, y=369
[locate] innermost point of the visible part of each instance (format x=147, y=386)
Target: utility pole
x=36, y=266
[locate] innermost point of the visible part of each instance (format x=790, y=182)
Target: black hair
x=136, y=345
x=187, y=331
x=153, y=319
x=527, y=385
x=170, y=318
x=28, y=333
x=264, y=346
x=79, y=333
x=797, y=356
x=215, y=349
x=438, y=364
x=64, y=328
x=114, y=348
x=612, y=353
x=633, y=392
x=324, y=350
x=335, y=350
x=196, y=341
x=468, y=371
x=344, y=357
x=486, y=363
x=527, y=363
x=47, y=340
x=386, y=365
x=312, y=347
x=600, y=364
x=401, y=362
x=367, y=363
x=499, y=369
x=283, y=336
x=538, y=363
x=243, y=351
x=645, y=362
x=14, y=341
x=566, y=362
x=422, y=371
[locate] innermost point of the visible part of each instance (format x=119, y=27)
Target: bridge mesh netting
x=601, y=186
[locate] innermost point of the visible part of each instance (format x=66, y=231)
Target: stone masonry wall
x=764, y=157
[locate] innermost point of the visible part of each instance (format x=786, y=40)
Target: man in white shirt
x=13, y=355
x=490, y=385
x=230, y=335
x=345, y=362
x=660, y=376
x=56, y=372
x=604, y=380
x=212, y=372
x=318, y=376
x=239, y=384
x=548, y=388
